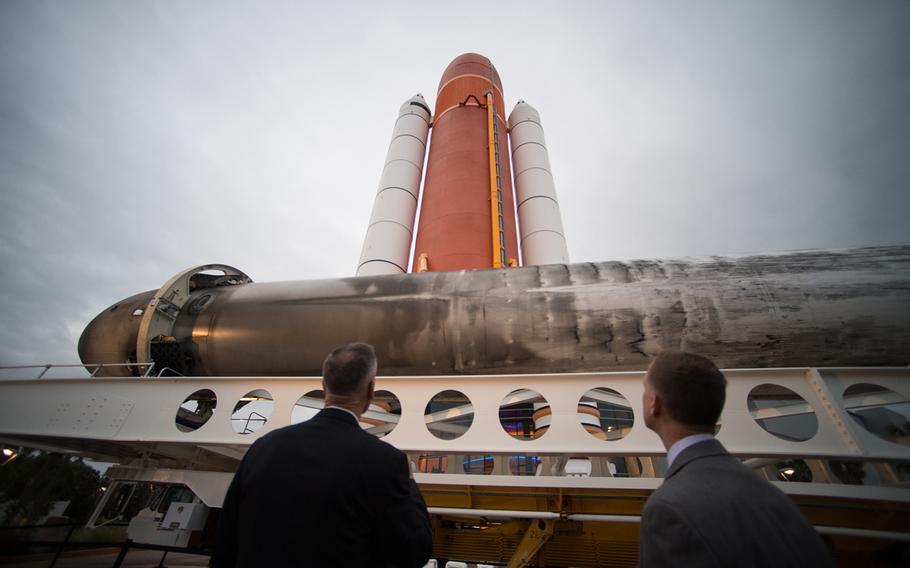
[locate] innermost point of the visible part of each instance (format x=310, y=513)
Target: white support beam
x=133, y=412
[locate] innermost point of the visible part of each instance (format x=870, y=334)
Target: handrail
x=123, y=545
x=52, y=526
x=165, y=369
x=246, y=421
x=91, y=368
x=634, y=519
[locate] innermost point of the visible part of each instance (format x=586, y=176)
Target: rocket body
x=816, y=308
x=543, y=240
x=455, y=219
x=389, y=234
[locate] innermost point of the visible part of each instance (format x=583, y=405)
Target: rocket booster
x=543, y=240
x=815, y=308
x=389, y=234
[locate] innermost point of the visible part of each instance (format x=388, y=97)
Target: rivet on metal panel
x=821, y=390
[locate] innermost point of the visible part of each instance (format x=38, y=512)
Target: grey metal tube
x=864, y=533
x=840, y=531
x=500, y=513
x=811, y=308
x=605, y=518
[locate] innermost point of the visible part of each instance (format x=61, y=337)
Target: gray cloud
x=138, y=139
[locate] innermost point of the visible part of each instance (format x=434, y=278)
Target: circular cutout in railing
x=432, y=463
x=477, y=464
x=605, y=414
x=524, y=414
x=524, y=465
x=449, y=414
x=624, y=466
x=782, y=412
x=252, y=411
x=854, y=472
x=793, y=470
x=196, y=410
x=383, y=414
x=307, y=406
x=880, y=411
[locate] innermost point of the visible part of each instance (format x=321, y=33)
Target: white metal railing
x=143, y=409
x=15, y=372
x=766, y=414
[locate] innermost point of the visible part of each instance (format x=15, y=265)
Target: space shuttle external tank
x=455, y=228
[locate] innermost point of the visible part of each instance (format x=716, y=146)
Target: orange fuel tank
x=455, y=228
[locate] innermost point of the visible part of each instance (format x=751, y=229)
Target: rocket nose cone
x=416, y=101
x=470, y=64
x=110, y=338
x=523, y=112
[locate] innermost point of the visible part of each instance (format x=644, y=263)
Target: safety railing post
x=122, y=555
x=62, y=546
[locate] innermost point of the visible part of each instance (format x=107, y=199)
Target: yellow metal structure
x=588, y=527
x=495, y=203
x=423, y=263
x=539, y=532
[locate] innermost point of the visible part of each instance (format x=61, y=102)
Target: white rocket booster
x=387, y=244
x=542, y=237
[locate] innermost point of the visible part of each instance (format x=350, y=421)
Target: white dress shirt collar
x=348, y=410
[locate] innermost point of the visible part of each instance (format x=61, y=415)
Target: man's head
x=348, y=375
x=684, y=391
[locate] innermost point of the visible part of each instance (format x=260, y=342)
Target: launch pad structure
x=509, y=376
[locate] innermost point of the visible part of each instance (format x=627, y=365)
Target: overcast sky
x=138, y=139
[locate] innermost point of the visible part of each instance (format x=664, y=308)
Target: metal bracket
x=538, y=533
x=166, y=307
x=161, y=313
x=476, y=100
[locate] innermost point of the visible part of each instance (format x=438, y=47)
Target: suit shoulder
x=282, y=435
x=710, y=473
x=381, y=447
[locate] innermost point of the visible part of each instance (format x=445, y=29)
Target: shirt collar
x=348, y=410
x=684, y=443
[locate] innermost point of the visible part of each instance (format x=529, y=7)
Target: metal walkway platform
x=564, y=457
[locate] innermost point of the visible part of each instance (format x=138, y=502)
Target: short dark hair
x=691, y=385
x=348, y=367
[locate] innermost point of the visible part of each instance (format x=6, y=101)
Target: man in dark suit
x=324, y=493
x=712, y=510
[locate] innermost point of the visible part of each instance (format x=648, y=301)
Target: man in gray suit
x=712, y=510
